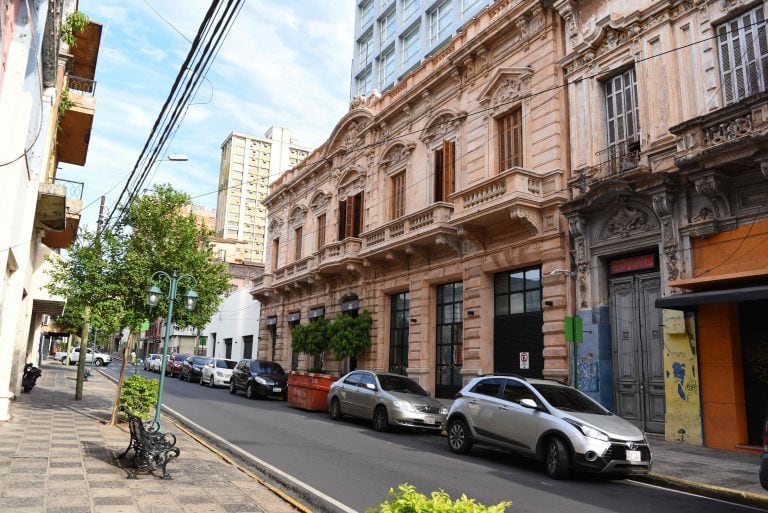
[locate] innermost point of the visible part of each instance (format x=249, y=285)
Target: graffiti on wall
x=588, y=373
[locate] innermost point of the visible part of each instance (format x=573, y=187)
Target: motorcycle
x=28, y=380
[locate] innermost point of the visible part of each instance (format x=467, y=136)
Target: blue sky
x=284, y=63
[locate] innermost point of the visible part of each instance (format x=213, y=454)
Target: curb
x=213, y=442
x=705, y=490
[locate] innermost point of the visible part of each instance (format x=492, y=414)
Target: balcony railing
x=74, y=189
x=81, y=85
x=338, y=253
x=615, y=160
x=408, y=228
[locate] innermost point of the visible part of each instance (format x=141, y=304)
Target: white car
x=149, y=359
x=156, y=364
x=217, y=372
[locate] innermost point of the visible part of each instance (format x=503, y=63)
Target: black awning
x=272, y=321
x=317, y=312
x=293, y=317
x=709, y=297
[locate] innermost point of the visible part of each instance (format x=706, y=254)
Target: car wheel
x=380, y=419
x=250, y=391
x=213, y=381
x=335, y=409
x=99, y=362
x=557, y=459
x=232, y=389
x=458, y=436
x=201, y=380
x=764, y=471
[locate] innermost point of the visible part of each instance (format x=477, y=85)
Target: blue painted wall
x=594, y=364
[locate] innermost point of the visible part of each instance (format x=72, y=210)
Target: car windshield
x=180, y=357
x=200, y=361
x=569, y=399
x=225, y=364
x=400, y=384
x=267, y=368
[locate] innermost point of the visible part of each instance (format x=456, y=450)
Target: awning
x=293, y=317
x=690, y=300
x=350, y=305
x=271, y=321
x=317, y=312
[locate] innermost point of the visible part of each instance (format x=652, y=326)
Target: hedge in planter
x=408, y=500
x=139, y=396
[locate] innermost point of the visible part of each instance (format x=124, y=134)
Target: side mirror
x=529, y=403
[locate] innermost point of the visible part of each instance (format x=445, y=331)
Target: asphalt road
x=349, y=461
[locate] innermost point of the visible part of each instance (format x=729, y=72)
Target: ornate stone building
x=435, y=206
x=668, y=123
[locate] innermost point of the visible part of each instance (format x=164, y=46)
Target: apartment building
x=392, y=37
x=668, y=116
x=39, y=130
x=435, y=206
x=248, y=164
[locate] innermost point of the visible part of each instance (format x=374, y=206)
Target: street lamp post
x=153, y=297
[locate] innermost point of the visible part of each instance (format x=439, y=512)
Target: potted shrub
x=349, y=336
x=308, y=390
x=408, y=500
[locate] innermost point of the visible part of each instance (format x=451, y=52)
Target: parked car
x=192, y=367
x=764, y=459
x=148, y=360
x=157, y=364
x=217, y=372
x=548, y=421
x=386, y=399
x=99, y=359
x=173, y=366
x=259, y=378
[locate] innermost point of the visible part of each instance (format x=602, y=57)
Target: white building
x=233, y=331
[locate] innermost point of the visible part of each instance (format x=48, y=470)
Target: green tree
x=311, y=339
x=349, y=335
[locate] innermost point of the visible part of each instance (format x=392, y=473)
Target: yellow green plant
x=72, y=26
x=139, y=396
x=408, y=500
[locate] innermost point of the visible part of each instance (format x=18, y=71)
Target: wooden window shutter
x=342, y=219
x=357, y=220
x=349, y=222
x=438, y=167
x=449, y=171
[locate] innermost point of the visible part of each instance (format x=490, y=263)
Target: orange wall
x=722, y=382
x=733, y=251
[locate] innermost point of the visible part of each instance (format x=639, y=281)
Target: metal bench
x=151, y=448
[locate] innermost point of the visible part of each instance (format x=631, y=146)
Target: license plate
x=277, y=389
x=429, y=420
x=634, y=456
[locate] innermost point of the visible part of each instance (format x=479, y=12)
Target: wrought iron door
x=450, y=336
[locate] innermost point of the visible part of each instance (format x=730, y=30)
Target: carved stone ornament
x=713, y=187
x=440, y=127
x=298, y=214
x=397, y=157
x=353, y=139
x=319, y=202
x=583, y=279
x=728, y=131
x=627, y=220
x=506, y=86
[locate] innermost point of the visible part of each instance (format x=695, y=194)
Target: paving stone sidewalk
x=58, y=455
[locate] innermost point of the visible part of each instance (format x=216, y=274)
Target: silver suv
x=547, y=421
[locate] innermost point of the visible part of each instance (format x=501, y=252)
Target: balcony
x=74, y=133
x=730, y=135
x=516, y=195
x=58, y=212
x=339, y=257
x=417, y=229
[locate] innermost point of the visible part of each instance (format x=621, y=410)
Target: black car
x=259, y=378
x=192, y=368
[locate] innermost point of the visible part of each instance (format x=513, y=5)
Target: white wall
x=238, y=317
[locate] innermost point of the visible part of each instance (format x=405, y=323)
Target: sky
x=284, y=63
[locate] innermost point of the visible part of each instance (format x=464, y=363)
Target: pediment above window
x=297, y=216
x=275, y=227
x=442, y=125
x=350, y=182
x=397, y=157
x=319, y=202
x=506, y=87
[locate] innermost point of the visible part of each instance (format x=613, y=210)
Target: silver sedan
x=387, y=399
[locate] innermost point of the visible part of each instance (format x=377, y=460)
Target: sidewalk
x=58, y=456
